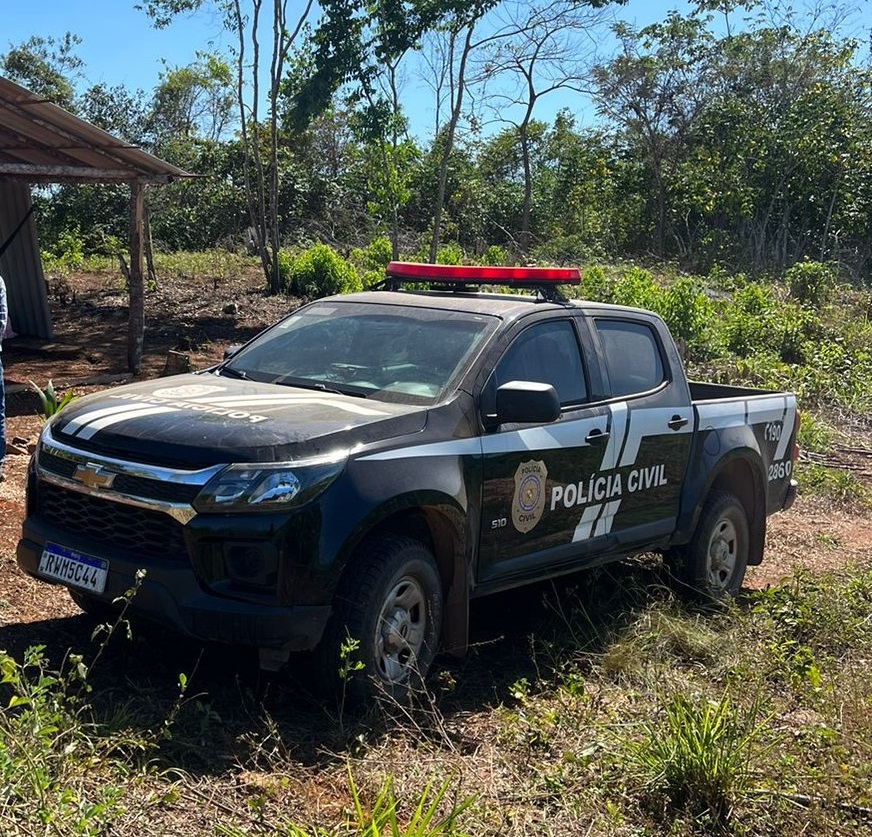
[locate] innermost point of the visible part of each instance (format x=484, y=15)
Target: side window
x=632, y=355
x=547, y=353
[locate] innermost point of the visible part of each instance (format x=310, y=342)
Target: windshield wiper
x=230, y=372
x=320, y=386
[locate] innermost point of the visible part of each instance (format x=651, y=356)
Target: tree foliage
x=738, y=135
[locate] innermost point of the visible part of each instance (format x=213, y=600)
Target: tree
x=539, y=49
x=653, y=89
x=193, y=101
x=46, y=67
x=116, y=110
x=260, y=140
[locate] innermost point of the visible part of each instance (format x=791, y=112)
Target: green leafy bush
x=596, y=284
x=637, y=288
x=686, y=309
x=496, y=255
x=370, y=261
x=321, y=271
x=812, y=283
x=450, y=253
x=284, y=265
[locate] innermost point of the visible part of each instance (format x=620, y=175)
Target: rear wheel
x=386, y=623
x=717, y=557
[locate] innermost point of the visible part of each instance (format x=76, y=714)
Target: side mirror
x=231, y=350
x=526, y=402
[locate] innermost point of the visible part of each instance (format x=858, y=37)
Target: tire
x=95, y=608
x=390, y=603
x=717, y=557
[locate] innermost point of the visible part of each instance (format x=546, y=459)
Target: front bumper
x=171, y=596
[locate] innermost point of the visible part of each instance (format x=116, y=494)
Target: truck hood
x=194, y=421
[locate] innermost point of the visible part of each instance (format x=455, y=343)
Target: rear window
x=632, y=355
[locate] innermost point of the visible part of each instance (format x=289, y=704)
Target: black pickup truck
x=372, y=462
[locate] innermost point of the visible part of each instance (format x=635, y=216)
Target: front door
x=545, y=487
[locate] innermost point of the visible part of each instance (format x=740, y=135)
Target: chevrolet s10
x=372, y=462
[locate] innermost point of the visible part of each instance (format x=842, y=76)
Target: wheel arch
x=741, y=474
x=442, y=527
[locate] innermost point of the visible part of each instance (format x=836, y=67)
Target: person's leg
x=2, y=422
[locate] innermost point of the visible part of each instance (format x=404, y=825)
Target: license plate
x=73, y=568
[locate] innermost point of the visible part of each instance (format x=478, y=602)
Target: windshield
x=383, y=351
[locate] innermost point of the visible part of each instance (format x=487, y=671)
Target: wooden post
x=136, y=314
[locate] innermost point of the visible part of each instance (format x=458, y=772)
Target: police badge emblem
x=529, y=502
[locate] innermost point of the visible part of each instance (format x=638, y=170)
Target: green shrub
x=370, y=261
x=812, y=283
x=284, y=265
x=686, y=309
x=450, y=253
x=374, y=256
x=596, y=284
x=815, y=435
x=749, y=322
x=321, y=271
x=699, y=755
x=496, y=255
x=637, y=288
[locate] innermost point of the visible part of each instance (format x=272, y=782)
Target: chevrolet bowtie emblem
x=94, y=476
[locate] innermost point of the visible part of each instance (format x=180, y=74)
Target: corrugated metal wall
x=21, y=265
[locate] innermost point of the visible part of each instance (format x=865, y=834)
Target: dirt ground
x=200, y=317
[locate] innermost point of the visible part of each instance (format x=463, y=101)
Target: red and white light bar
x=482, y=275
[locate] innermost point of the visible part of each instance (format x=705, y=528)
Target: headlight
x=268, y=487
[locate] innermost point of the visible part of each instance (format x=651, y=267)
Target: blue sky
x=119, y=46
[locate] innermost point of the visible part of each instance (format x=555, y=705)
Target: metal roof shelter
x=42, y=143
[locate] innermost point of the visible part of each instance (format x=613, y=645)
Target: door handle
x=676, y=422
x=596, y=436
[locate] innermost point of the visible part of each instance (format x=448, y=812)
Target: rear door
x=653, y=424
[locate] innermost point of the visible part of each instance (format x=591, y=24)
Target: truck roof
x=502, y=305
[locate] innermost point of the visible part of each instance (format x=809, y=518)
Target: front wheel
x=386, y=623
x=716, y=559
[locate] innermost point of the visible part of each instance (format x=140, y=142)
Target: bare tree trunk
x=136, y=290
x=526, y=211
x=261, y=187
x=457, y=104
x=149, y=249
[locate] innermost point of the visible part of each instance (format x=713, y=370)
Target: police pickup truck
x=372, y=462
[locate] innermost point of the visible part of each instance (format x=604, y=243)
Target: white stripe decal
x=268, y=398
x=101, y=424
x=455, y=447
x=585, y=525
x=652, y=421
x=565, y=434
x=786, y=430
x=616, y=436
x=80, y=421
x=604, y=524
x=766, y=409
x=720, y=417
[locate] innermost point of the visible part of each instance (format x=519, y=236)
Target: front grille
x=162, y=491
x=141, y=531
